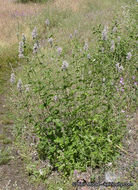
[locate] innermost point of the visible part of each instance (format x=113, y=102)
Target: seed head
x=12, y=79
x=65, y=65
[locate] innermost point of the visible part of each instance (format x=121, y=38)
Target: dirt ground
x=12, y=170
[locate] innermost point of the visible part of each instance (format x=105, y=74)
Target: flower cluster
x=104, y=33
x=70, y=36
x=118, y=39
x=65, y=65
x=129, y=55
x=119, y=68
x=36, y=47
x=86, y=46
x=12, y=79
x=23, y=38
x=89, y=56
x=47, y=22
x=112, y=46
x=59, y=50
x=50, y=40
x=27, y=87
x=55, y=98
x=20, y=85
x=115, y=29
x=34, y=33
x=122, y=83
x=21, y=49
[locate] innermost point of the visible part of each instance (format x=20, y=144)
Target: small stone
x=110, y=177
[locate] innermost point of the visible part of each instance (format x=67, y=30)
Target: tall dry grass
x=13, y=19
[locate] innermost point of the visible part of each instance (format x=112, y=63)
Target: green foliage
x=79, y=113
x=4, y=156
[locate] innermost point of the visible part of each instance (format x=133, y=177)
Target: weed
x=85, y=125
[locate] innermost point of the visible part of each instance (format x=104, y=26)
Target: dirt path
x=12, y=170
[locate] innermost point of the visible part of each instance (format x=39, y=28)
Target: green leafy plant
x=77, y=108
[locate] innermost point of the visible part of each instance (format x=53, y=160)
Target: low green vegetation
x=4, y=156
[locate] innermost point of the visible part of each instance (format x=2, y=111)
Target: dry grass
x=13, y=17
x=72, y=4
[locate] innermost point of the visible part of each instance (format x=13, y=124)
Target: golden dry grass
x=65, y=4
x=13, y=17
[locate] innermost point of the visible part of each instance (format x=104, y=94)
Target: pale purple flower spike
x=21, y=49
x=59, y=50
x=86, y=46
x=112, y=46
x=65, y=65
x=104, y=33
x=19, y=85
x=12, y=79
x=47, y=22
x=34, y=33
x=129, y=55
x=50, y=40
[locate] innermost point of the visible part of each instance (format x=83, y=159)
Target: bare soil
x=12, y=173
